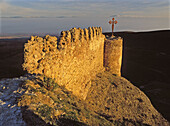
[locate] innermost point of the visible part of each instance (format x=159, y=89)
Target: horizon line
x=27, y=35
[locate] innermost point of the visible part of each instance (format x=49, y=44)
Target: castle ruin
x=74, y=59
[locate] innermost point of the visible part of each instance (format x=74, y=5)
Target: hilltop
x=100, y=105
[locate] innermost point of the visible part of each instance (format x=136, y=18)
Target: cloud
x=51, y=8
x=82, y=8
x=141, y=16
x=118, y=15
x=14, y=11
x=38, y=17
x=11, y=10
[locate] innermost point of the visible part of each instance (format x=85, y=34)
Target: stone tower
x=113, y=55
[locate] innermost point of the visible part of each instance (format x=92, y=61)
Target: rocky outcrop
x=111, y=100
x=116, y=99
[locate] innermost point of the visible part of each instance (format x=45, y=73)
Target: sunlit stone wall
x=72, y=61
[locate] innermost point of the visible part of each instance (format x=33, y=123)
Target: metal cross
x=113, y=21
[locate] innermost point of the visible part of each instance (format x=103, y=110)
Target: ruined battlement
x=72, y=61
x=77, y=37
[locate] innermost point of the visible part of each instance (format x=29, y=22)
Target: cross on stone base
x=113, y=21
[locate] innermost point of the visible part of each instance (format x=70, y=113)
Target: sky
x=156, y=11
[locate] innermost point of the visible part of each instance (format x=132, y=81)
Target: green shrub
x=47, y=82
x=45, y=111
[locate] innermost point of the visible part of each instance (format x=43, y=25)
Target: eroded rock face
x=116, y=99
x=72, y=61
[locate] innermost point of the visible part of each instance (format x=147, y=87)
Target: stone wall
x=72, y=61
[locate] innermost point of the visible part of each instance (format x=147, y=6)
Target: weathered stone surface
x=111, y=101
x=113, y=55
x=72, y=61
x=116, y=99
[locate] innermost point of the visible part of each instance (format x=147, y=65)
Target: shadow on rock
x=32, y=119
